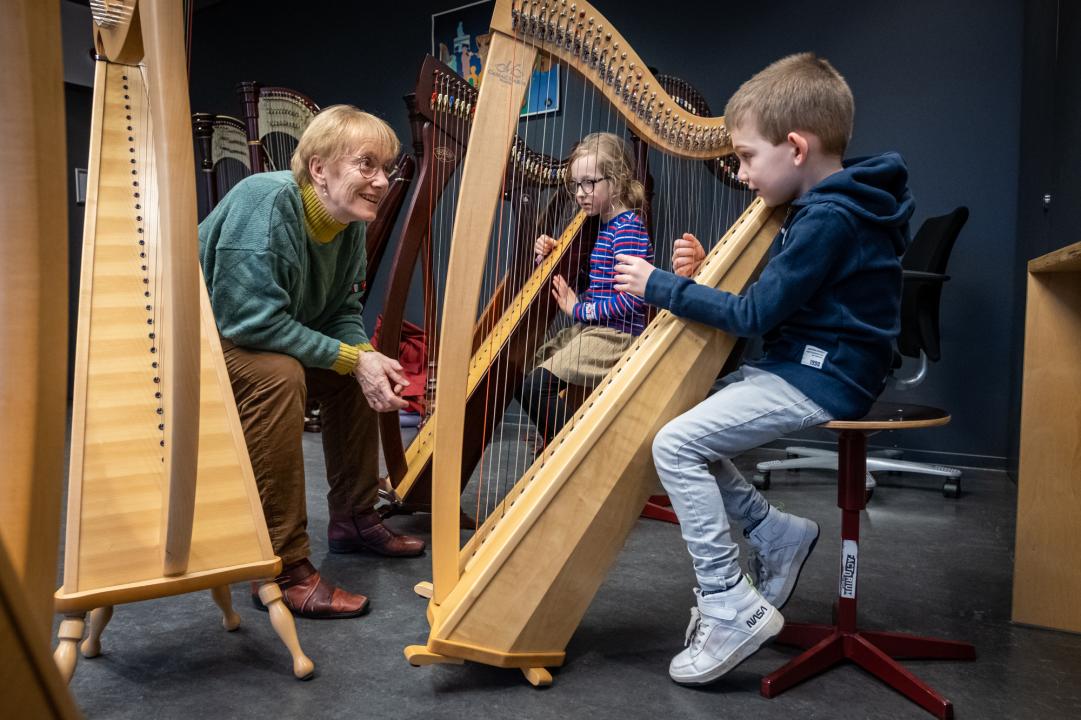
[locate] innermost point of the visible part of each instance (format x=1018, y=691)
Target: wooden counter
x=1047, y=568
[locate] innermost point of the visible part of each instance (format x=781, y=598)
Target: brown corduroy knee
x=271, y=391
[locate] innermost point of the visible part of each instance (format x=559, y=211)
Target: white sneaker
x=781, y=545
x=726, y=628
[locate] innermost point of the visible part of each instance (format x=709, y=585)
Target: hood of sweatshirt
x=873, y=188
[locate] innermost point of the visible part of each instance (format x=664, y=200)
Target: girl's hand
x=687, y=255
x=563, y=295
x=542, y=247
x=632, y=274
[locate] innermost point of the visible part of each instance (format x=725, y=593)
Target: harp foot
x=418, y=655
x=66, y=653
x=537, y=677
x=230, y=620
x=424, y=589
x=99, y=618
x=282, y=621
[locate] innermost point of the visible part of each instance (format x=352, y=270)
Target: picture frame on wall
x=460, y=40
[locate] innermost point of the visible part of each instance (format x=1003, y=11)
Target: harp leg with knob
x=99, y=618
x=282, y=620
x=66, y=653
x=230, y=620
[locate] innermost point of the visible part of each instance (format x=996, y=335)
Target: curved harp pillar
x=33, y=333
x=515, y=593
x=162, y=498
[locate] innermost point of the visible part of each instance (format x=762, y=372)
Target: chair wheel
x=951, y=489
x=761, y=480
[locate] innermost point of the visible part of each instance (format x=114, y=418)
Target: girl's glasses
x=586, y=184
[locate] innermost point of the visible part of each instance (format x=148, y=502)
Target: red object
x=659, y=507
x=413, y=355
x=875, y=652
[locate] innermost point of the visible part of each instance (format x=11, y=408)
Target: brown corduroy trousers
x=271, y=391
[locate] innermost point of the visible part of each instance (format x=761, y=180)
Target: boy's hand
x=687, y=255
x=563, y=295
x=542, y=247
x=632, y=274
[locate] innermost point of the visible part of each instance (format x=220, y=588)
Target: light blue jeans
x=745, y=409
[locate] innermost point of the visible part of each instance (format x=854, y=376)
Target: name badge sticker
x=813, y=357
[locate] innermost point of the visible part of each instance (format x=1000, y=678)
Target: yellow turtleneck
x=323, y=228
x=319, y=223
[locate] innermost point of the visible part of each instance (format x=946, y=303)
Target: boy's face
x=772, y=171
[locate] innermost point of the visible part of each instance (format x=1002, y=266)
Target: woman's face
x=352, y=185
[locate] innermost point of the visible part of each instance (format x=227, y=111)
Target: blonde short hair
x=798, y=92
x=613, y=158
x=341, y=129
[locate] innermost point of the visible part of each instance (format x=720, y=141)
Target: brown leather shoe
x=308, y=595
x=352, y=532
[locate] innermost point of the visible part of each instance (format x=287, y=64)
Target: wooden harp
x=161, y=495
x=514, y=594
x=507, y=333
x=221, y=148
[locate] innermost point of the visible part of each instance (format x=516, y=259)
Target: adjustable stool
x=873, y=651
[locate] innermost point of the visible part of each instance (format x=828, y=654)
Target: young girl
x=601, y=179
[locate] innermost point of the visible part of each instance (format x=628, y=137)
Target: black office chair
x=924, y=264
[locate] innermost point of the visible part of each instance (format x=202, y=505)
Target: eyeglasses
x=368, y=168
x=586, y=185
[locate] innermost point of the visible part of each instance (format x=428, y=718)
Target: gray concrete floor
x=928, y=565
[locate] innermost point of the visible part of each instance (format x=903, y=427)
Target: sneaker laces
x=693, y=636
x=759, y=570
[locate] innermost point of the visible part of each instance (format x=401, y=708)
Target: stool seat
x=893, y=416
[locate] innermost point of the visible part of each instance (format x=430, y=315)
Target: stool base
x=828, y=645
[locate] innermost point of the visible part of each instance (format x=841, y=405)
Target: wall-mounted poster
x=460, y=40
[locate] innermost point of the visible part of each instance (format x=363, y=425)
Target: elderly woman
x=284, y=258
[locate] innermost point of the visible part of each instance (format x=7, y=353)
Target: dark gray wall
x=939, y=82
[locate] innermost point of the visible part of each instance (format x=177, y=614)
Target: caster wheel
x=761, y=480
x=951, y=489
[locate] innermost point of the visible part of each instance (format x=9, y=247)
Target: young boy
x=827, y=304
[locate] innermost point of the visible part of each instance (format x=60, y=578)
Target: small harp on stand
x=514, y=594
x=161, y=495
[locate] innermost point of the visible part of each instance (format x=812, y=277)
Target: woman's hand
x=381, y=380
x=563, y=295
x=542, y=247
x=687, y=255
x=632, y=274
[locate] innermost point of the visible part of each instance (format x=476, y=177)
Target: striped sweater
x=625, y=234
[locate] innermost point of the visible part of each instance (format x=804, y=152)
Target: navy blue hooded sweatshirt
x=828, y=301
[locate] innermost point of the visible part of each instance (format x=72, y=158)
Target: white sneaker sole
x=750, y=646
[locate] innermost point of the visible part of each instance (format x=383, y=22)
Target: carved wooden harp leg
x=230, y=620
x=99, y=618
x=66, y=653
x=282, y=620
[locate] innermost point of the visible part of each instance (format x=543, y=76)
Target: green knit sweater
x=283, y=275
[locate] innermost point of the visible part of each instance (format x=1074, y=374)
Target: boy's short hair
x=798, y=92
